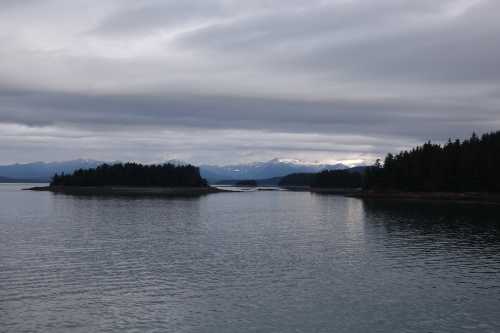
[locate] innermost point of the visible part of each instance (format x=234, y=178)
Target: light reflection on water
x=245, y=262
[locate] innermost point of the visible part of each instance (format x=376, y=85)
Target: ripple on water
x=260, y=261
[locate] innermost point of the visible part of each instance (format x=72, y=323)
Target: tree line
x=133, y=174
x=472, y=165
x=324, y=179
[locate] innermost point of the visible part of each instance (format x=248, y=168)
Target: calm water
x=245, y=262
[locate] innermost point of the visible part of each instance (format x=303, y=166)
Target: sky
x=225, y=81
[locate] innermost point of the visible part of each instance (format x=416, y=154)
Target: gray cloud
x=331, y=80
x=387, y=39
x=149, y=16
x=377, y=116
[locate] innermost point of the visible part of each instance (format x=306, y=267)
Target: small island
x=132, y=179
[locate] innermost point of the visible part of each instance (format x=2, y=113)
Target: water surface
x=245, y=262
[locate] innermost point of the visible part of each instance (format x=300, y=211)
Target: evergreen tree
x=469, y=166
x=133, y=174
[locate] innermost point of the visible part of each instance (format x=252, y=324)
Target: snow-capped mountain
x=43, y=171
x=262, y=170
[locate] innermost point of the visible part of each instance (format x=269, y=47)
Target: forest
x=133, y=174
x=472, y=165
x=338, y=179
x=324, y=179
x=297, y=179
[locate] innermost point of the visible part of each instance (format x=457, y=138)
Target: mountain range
x=43, y=171
x=264, y=170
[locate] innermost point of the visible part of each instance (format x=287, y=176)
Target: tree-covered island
x=466, y=170
x=133, y=174
x=132, y=178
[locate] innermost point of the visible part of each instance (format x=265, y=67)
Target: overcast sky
x=223, y=81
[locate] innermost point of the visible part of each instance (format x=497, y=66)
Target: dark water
x=245, y=262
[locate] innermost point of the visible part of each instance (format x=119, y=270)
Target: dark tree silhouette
x=324, y=179
x=298, y=179
x=469, y=166
x=133, y=174
x=338, y=179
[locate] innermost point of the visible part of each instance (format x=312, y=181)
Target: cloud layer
x=222, y=81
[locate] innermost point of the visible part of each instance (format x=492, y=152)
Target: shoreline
x=481, y=198
x=323, y=190
x=436, y=197
x=128, y=190
x=337, y=191
x=448, y=197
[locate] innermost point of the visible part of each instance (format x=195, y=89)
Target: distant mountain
x=359, y=169
x=42, y=171
x=260, y=182
x=292, y=179
x=17, y=180
x=341, y=178
x=264, y=170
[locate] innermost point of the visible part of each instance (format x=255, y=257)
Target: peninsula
x=458, y=171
